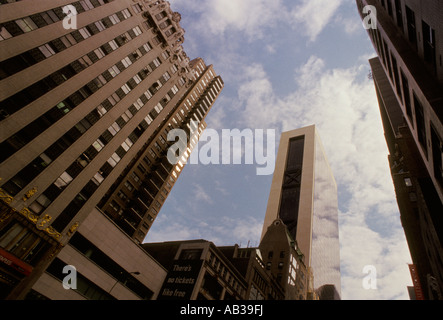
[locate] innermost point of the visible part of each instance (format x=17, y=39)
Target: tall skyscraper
x=89, y=91
x=138, y=194
x=304, y=197
x=408, y=77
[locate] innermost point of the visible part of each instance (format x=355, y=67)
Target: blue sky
x=287, y=64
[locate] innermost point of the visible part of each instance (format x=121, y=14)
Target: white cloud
x=221, y=17
x=254, y=18
x=171, y=230
x=314, y=15
x=201, y=195
x=223, y=231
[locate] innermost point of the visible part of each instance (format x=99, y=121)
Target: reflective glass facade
x=325, y=233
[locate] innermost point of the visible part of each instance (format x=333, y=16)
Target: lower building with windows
x=199, y=270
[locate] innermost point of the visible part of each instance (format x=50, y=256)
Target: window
x=84, y=32
x=395, y=72
x=26, y=24
x=137, y=31
x=63, y=180
x=98, y=178
x=420, y=119
x=114, y=19
x=47, y=50
x=191, y=254
x=129, y=186
x=126, y=62
x=437, y=155
x=390, y=7
x=406, y=95
x=4, y=34
x=410, y=20
x=137, y=8
x=98, y=145
x=135, y=177
x=429, y=44
x=115, y=206
x=157, y=62
x=122, y=195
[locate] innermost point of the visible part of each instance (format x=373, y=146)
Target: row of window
x=224, y=274
x=32, y=130
x=26, y=59
x=87, y=156
x=429, y=45
x=38, y=89
x=39, y=20
x=411, y=103
x=152, y=183
x=159, y=176
x=14, y=185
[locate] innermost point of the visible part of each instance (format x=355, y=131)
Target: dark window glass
x=410, y=20
x=420, y=118
x=398, y=11
x=406, y=95
x=290, y=199
x=437, y=155
x=429, y=44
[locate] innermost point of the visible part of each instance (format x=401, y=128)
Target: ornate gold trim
x=33, y=218
x=29, y=215
x=30, y=193
x=46, y=218
x=5, y=197
x=73, y=228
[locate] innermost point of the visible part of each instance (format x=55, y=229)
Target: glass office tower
x=304, y=196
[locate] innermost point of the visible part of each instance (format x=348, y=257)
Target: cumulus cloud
x=251, y=17
x=314, y=15
x=238, y=230
x=201, y=195
x=254, y=18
